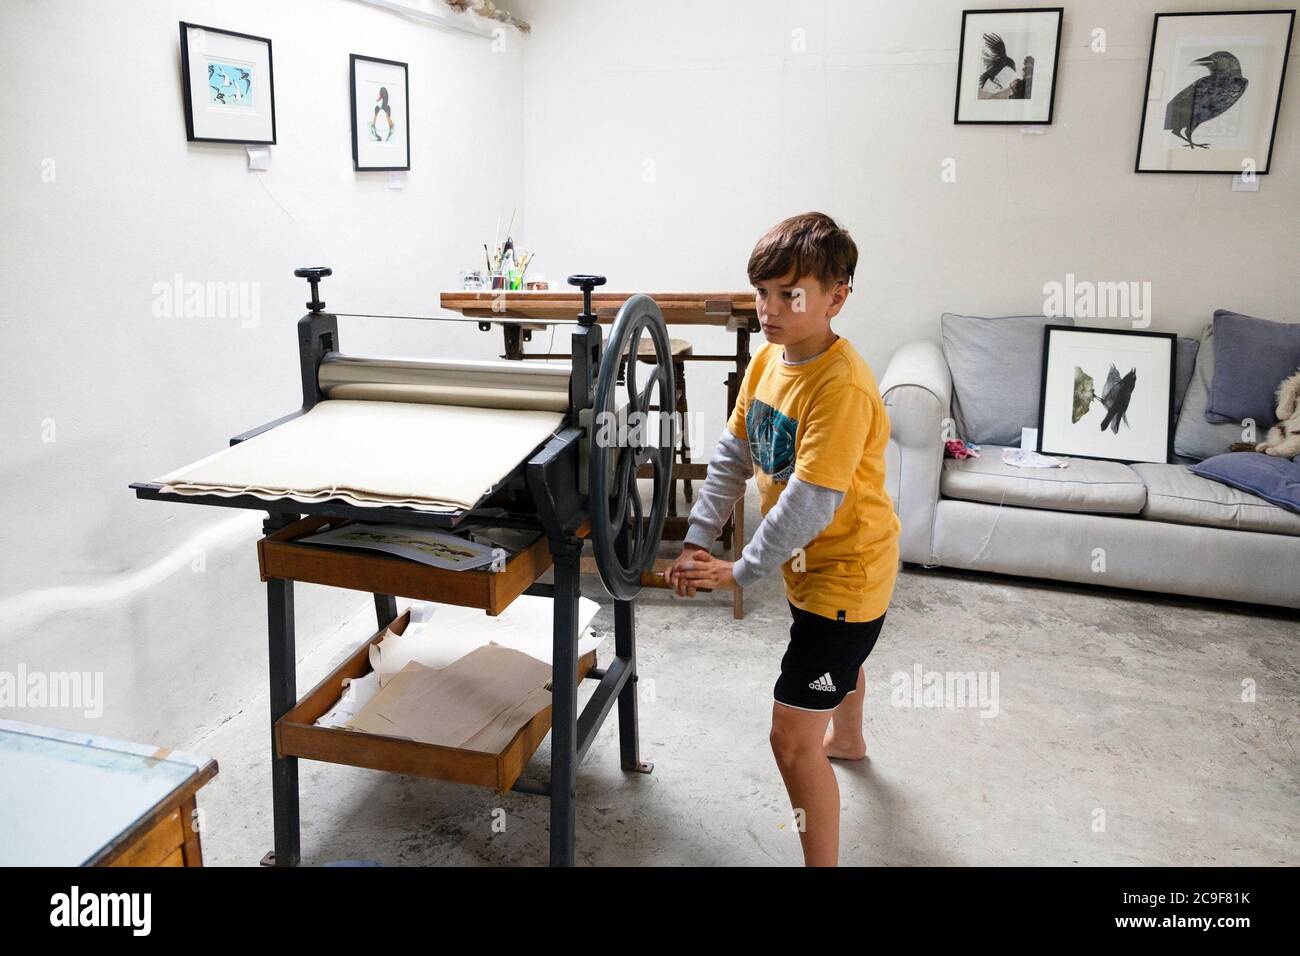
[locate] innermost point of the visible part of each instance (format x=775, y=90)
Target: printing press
x=541, y=447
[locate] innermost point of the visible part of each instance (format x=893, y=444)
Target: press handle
x=314, y=274
x=586, y=284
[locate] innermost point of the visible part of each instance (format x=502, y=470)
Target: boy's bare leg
x=844, y=739
x=809, y=779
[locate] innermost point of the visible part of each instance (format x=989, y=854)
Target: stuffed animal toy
x=1283, y=439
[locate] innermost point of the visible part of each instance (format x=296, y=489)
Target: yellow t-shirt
x=824, y=422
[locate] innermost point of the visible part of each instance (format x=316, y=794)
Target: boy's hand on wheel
x=673, y=574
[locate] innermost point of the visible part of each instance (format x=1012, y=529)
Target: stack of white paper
x=438, y=635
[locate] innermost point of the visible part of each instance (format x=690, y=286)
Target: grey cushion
x=1276, y=480
x=1100, y=487
x=1175, y=494
x=997, y=370
x=1195, y=438
x=1251, y=358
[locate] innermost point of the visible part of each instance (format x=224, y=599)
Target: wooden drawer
x=297, y=736
x=280, y=555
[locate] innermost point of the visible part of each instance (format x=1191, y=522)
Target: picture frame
x=228, y=85
x=1214, y=83
x=381, y=122
x=1107, y=394
x=1007, y=62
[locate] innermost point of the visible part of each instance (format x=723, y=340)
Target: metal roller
x=483, y=384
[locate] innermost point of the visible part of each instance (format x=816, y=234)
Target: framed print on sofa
x=228, y=86
x=1107, y=393
x=1214, y=88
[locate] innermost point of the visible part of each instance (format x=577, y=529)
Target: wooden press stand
x=282, y=561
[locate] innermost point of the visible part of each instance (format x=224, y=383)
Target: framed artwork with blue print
x=228, y=86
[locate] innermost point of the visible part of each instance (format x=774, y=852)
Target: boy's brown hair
x=808, y=244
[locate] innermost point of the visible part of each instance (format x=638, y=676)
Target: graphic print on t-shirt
x=771, y=439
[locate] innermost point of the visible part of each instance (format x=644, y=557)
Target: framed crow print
x=1107, y=393
x=381, y=124
x=1006, y=65
x=228, y=88
x=1214, y=82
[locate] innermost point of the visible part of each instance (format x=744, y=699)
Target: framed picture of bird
x=228, y=87
x=381, y=122
x=1006, y=65
x=1107, y=393
x=1214, y=85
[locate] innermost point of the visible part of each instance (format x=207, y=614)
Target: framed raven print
x=1107, y=393
x=1214, y=84
x=228, y=87
x=1006, y=65
x=381, y=122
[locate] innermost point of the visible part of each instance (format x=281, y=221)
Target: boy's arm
x=799, y=515
x=729, y=469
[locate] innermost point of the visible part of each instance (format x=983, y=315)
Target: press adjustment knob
x=586, y=284
x=314, y=274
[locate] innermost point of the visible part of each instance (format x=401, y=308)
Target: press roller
x=482, y=384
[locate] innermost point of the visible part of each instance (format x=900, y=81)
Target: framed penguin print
x=228, y=87
x=1214, y=85
x=1107, y=393
x=1006, y=65
x=381, y=122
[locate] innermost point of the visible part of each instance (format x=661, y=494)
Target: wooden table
x=77, y=799
x=520, y=314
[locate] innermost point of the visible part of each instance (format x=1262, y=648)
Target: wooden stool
x=679, y=348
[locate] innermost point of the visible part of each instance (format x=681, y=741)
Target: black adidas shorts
x=820, y=667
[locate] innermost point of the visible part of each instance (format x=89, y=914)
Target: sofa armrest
x=917, y=392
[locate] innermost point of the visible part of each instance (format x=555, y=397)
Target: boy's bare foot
x=844, y=746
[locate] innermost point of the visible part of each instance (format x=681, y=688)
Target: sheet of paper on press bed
x=439, y=634
x=479, y=702
x=438, y=457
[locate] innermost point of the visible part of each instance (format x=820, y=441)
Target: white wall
x=92, y=579
x=743, y=132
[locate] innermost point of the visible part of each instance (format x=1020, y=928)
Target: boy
x=810, y=424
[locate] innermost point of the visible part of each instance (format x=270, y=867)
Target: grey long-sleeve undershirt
x=800, y=513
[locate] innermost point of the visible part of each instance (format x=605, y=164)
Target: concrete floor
x=1121, y=737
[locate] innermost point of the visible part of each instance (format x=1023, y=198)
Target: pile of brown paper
x=479, y=702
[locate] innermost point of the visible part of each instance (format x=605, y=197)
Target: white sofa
x=1150, y=527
